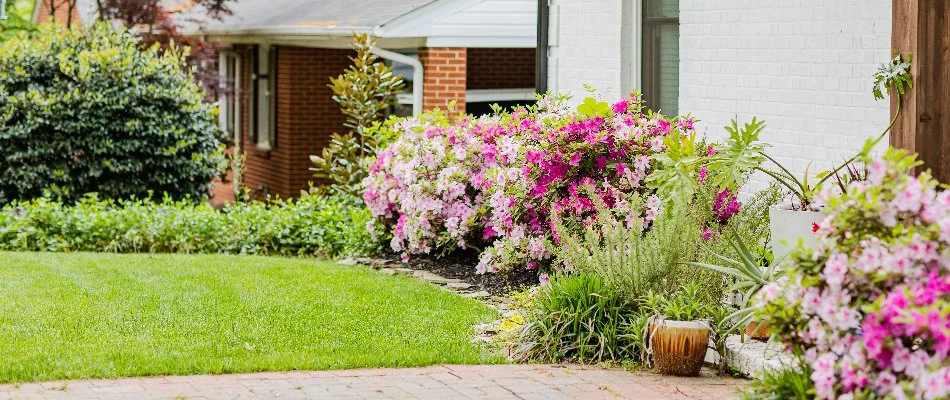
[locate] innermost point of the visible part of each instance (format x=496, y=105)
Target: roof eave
x=286, y=31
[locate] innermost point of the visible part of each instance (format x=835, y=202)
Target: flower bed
x=493, y=182
x=868, y=309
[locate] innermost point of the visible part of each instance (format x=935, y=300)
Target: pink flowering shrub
x=869, y=309
x=492, y=182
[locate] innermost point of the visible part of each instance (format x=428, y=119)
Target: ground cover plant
x=324, y=226
x=88, y=315
x=86, y=110
x=867, y=309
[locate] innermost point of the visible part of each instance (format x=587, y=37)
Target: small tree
x=87, y=110
x=364, y=91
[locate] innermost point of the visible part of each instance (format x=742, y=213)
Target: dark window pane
x=661, y=55
x=668, y=66
x=662, y=8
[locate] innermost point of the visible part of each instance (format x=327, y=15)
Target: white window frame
x=265, y=92
x=229, y=101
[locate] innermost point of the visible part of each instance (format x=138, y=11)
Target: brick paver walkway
x=439, y=382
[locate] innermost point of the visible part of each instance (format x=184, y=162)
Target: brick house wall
x=500, y=68
x=805, y=68
x=307, y=117
x=445, y=76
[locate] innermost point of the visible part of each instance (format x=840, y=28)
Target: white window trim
x=224, y=103
x=265, y=102
x=489, y=95
x=631, y=46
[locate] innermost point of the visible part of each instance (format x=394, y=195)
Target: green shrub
x=364, y=91
x=315, y=225
x=577, y=318
x=88, y=111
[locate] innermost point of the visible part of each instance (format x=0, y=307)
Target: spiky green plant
x=577, y=318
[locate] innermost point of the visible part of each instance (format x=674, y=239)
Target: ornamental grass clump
x=868, y=308
x=577, y=318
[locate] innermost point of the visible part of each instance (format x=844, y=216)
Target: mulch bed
x=461, y=265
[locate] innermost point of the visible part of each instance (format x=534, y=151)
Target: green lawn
x=106, y=315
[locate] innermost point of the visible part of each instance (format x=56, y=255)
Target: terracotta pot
x=758, y=331
x=679, y=347
x=787, y=226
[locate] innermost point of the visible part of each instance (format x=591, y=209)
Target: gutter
x=541, y=50
x=303, y=31
x=417, y=74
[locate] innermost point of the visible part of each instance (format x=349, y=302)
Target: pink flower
x=835, y=269
x=575, y=159
x=725, y=206
x=621, y=106
x=685, y=123
x=544, y=279
x=768, y=293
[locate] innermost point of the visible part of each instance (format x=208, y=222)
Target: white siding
x=585, y=47
x=804, y=66
x=489, y=17
x=470, y=23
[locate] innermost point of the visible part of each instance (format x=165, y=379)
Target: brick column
x=62, y=12
x=444, y=76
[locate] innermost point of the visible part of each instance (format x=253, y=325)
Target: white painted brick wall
x=804, y=66
x=585, y=47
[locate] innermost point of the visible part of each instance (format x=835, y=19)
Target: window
x=263, y=95
x=229, y=117
x=661, y=55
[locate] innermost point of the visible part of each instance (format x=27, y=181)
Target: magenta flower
x=725, y=206
x=621, y=106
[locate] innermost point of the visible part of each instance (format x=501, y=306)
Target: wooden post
x=922, y=27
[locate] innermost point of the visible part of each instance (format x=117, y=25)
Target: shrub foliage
x=87, y=110
x=314, y=225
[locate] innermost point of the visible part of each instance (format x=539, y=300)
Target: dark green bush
x=316, y=225
x=87, y=111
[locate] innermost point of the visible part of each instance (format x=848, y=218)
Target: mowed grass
x=85, y=315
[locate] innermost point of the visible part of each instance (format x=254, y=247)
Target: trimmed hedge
x=89, y=111
x=315, y=226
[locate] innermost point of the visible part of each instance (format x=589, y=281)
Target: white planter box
x=788, y=226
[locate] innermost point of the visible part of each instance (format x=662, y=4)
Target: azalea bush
x=493, y=182
x=869, y=308
x=325, y=226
